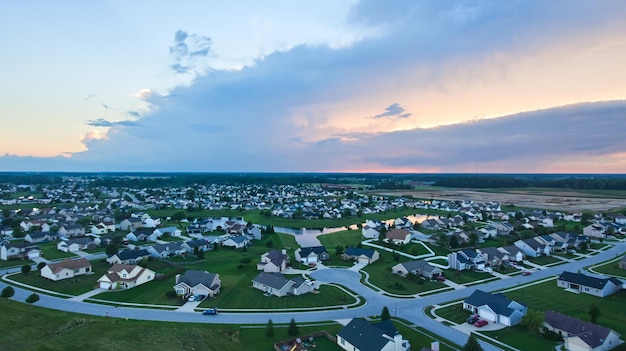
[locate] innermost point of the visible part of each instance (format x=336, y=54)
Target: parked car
x=481, y=323
x=526, y=273
x=210, y=311
x=472, y=319
x=441, y=278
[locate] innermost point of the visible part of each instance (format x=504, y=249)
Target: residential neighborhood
x=134, y=240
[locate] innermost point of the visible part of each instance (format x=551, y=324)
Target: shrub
x=8, y=292
x=171, y=294
x=32, y=298
x=40, y=265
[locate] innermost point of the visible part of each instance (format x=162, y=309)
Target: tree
x=40, y=265
x=472, y=344
x=339, y=250
x=8, y=292
x=111, y=249
x=32, y=298
x=533, y=320
x=454, y=241
x=26, y=269
x=293, y=328
x=584, y=246
x=179, y=216
x=594, y=312
x=269, y=329
x=384, y=315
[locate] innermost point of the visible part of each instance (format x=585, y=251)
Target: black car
x=472, y=319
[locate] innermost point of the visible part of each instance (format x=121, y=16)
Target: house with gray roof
x=128, y=256
x=166, y=250
x=197, y=283
x=360, y=255
x=581, y=335
x=273, y=261
x=418, y=267
x=592, y=285
x=466, y=259
x=359, y=335
x=278, y=285
x=495, y=308
x=312, y=254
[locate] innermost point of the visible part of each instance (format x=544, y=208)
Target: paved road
x=409, y=309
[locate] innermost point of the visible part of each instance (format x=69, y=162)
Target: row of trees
x=9, y=292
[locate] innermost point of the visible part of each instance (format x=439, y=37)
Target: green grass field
x=50, y=252
x=611, y=268
x=79, y=285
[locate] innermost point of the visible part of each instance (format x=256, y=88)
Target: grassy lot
x=50, y=252
x=14, y=263
x=149, y=293
x=464, y=277
x=611, y=268
x=519, y=336
x=381, y=276
x=547, y=296
x=544, y=260
x=343, y=238
x=454, y=313
x=79, y=285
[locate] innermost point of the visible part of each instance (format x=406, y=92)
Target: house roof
x=587, y=280
x=590, y=333
x=276, y=280
x=131, y=254
x=355, y=252
x=113, y=273
x=276, y=257
x=197, y=277
x=364, y=336
x=173, y=246
x=318, y=250
x=69, y=264
x=498, y=303
x=396, y=233
x=79, y=241
x=196, y=242
x=418, y=265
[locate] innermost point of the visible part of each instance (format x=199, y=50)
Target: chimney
x=434, y=345
x=284, y=251
x=397, y=342
x=177, y=278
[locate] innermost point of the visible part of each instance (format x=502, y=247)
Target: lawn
x=14, y=263
x=79, y=285
x=454, y=313
x=465, y=277
x=544, y=260
x=547, y=296
x=50, y=252
x=611, y=268
x=343, y=238
x=380, y=275
x=36, y=328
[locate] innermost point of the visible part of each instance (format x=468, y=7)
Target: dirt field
x=562, y=201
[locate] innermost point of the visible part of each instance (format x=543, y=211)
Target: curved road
x=408, y=309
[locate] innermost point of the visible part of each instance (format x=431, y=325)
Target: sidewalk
x=88, y=294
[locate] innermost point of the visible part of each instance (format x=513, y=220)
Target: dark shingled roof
x=364, y=336
x=132, y=254
x=277, y=280
x=305, y=251
x=355, y=251
x=196, y=277
x=587, y=280
x=592, y=334
x=497, y=302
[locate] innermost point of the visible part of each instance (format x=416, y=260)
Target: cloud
x=188, y=50
x=143, y=94
x=101, y=122
x=394, y=110
x=105, y=106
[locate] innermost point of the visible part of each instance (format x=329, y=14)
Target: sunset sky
x=313, y=86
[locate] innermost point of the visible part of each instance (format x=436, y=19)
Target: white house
x=198, y=283
x=359, y=335
x=398, y=236
x=125, y=276
x=579, y=335
x=66, y=269
x=495, y=308
x=278, y=285
x=596, y=286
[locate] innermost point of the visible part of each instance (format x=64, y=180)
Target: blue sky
x=323, y=86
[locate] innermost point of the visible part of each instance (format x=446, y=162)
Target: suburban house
x=254, y=232
x=313, y=254
x=128, y=256
x=18, y=251
x=418, y=267
x=398, y=236
x=131, y=224
x=99, y=229
x=581, y=335
x=125, y=276
x=432, y=224
x=403, y=223
x=495, y=308
x=200, y=244
x=587, y=284
x=199, y=227
x=6, y=230
x=166, y=250
x=360, y=255
x=278, y=285
x=493, y=256
x=71, y=230
x=503, y=228
x=359, y=335
x=514, y=252
x=533, y=247
x=66, y=269
x=273, y=261
x=77, y=244
x=39, y=237
x=35, y=223
x=370, y=232
x=236, y=241
x=595, y=230
x=167, y=231
x=466, y=259
x=198, y=283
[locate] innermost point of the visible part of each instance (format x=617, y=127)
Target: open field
x=551, y=199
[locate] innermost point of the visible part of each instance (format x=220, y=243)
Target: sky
x=517, y=86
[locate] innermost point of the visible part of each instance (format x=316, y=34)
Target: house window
x=180, y=291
